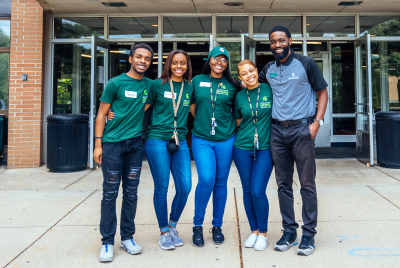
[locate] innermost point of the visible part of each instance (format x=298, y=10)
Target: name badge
x=205, y=84
x=272, y=74
x=131, y=94
x=168, y=95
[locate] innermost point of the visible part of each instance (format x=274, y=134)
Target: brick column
x=25, y=97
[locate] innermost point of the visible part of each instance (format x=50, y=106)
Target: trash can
x=388, y=139
x=67, y=142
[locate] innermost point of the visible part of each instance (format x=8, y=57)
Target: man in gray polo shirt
x=295, y=81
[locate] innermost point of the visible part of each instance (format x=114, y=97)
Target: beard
x=282, y=55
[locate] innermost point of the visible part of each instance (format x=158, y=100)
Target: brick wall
x=26, y=97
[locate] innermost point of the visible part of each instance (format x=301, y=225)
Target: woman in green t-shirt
x=170, y=96
x=251, y=152
x=212, y=140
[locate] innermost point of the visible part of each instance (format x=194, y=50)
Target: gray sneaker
x=166, y=242
x=131, y=246
x=106, y=253
x=175, y=238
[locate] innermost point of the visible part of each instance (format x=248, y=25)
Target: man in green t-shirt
x=119, y=149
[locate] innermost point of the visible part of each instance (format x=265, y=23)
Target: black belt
x=290, y=123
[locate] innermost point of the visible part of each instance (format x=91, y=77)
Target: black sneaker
x=306, y=246
x=287, y=240
x=218, y=236
x=198, y=240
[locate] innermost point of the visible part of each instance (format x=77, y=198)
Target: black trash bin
x=388, y=139
x=67, y=142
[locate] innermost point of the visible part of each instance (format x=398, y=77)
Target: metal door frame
x=247, y=42
x=365, y=40
x=96, y=42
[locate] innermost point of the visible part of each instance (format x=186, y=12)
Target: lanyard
x=255, y=120
x=176, y=105
x=213, y=101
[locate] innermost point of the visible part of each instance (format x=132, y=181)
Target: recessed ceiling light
x=233, y=4
x=114, y=4
x=308, y=24
x=348, y=3
x=155, y=25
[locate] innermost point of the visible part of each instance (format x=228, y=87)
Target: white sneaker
x=106, y=253
x=131, y=246
x=261, y=242
x=250, y=241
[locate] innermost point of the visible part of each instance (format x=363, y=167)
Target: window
x=187, y=27
x=232, y=26
x=329, y=26
x=78, y=27
x=380, y=26
x=133, y=27
x=262, y=25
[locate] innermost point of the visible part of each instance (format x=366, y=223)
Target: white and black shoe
x=218, y=236
x=287, y=241
x=198, y=240
x=306, y=246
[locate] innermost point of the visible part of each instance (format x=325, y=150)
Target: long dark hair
x=226, y=73
x=166, y=74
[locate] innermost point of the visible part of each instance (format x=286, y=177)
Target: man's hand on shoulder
x=314, y=127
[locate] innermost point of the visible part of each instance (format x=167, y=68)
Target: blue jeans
x=254, y=176
x=213, y=162
x=161, y=164
x=121, y=161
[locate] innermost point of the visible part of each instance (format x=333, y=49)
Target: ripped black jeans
x=120, y=160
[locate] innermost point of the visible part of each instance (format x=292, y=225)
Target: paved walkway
x=51, y=220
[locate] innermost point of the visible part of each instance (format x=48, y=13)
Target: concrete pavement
x=51, y=220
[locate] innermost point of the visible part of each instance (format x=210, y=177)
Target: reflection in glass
x=343, y=97
x=262, y=25
x=380, y=26
x=234, y=49
x=328, y=26
x=78, y=27
x=5, y=33
x=71, y=81
x=4, y=78
x=187, y=26
x=133, y=27
x=385, y=58
x=232, y=26
x=344, y=126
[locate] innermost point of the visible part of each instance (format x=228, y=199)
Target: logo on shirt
x=264, y=105
x=222, y=92
x=265, y=98
x=293, y=77
x=144, y=99
x=187, y=96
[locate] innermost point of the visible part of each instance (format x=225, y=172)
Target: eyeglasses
x=223, y=60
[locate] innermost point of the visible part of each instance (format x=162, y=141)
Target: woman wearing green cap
x=213, y=136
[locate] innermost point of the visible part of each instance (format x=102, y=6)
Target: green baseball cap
x=216, y=51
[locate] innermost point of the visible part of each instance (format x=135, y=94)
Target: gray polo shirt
x=294, y=85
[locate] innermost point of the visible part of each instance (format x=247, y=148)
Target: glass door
x=324, y=134
x=248, y=49
x=364, y=111
x=99, y=76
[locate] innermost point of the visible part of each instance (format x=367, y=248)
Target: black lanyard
x=255, y=121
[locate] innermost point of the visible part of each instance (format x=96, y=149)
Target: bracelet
x=100, y=138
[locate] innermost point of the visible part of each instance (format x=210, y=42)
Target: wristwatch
x=320, y=121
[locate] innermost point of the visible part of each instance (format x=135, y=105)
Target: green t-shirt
x=245, y=137
x=162, y=118
x=127, y=97
x=223, y=108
